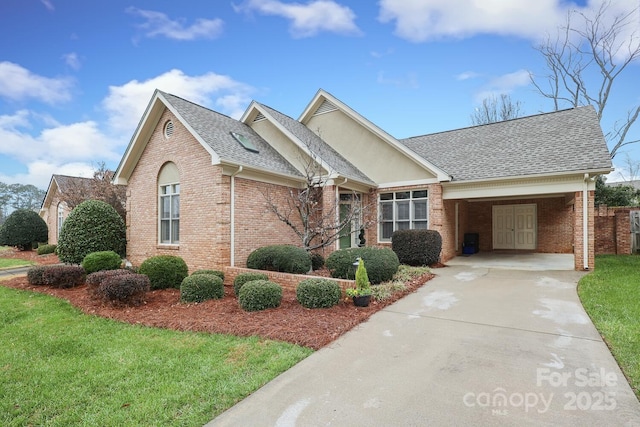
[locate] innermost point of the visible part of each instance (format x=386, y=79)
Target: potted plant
x=361, y=294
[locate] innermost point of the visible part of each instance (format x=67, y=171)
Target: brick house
x=197, y=180
x=54, y=209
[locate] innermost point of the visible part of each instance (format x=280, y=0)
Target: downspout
x=457, y=232
x=233, y=216
x=585, y=222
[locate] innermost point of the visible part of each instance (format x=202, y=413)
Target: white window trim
x=395, y=210
x=160, y=196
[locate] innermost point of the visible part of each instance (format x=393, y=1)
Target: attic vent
x=168, y=129
x=325, y=107
x=245, y=142
x=259, y=117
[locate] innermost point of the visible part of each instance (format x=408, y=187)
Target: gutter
x=233, y=216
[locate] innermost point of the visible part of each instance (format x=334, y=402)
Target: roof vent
x=325, y=107
x=168, y=129
x=259, y=117
x=245, y=142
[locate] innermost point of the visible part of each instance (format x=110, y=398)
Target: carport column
x=584, y=217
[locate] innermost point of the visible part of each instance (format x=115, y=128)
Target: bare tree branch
x=496, y=110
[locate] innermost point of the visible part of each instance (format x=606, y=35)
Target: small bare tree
x=99, y=187
x=495, y=110
x=317, y=219
x=585, y=59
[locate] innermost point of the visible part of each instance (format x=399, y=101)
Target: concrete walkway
x=474, y=346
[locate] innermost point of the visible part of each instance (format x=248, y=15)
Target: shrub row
x=281, y=258
x=58, y=276
x=382, y=263
x=46, y=249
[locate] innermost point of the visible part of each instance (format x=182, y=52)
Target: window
x=403, y=210
x=60, y=219
x=245, y=142
x=169, y=205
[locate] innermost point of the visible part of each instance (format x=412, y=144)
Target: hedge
x=259, y=295
x=201, y=287
x=165, y=271
x=382, y=263
x=417, y=247
x=281, y=258
x=318, y=293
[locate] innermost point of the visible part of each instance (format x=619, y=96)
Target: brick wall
x=613, y=230
x=51, y=218
x=578, y=232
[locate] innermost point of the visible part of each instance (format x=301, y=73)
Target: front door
x=514, y=226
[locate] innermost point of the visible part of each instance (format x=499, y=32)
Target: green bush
x=46, y=249
x=201, y=287
x=318, y=293
x=317, y=261
x=259, y=295
x=417, y=247
x=35, y=275
x=382, y=263
x=282, y=258
x=92, y=226
x=218, y=273
x=63, y=276
x=243, y=278
x=123, y=289
x=94, y=280
x=165, y=271
x=103, y=260
x=23, y=229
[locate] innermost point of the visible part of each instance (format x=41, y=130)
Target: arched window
x=169, y=204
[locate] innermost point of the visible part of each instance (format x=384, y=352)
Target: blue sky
x=76, y=76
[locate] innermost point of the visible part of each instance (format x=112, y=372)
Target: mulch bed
x=291, y=322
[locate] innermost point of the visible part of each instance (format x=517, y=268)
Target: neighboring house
x=54, y=208
x=197, y=180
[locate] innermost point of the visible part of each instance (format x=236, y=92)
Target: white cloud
x=467, y=75
x=48, y=5
x=408, y=81
x=19, y=84
x=126, y=104
x=72, y=60
x=309, y=19
x=39, y=173
x=423, y=20
x=504, y=84
x=158, y=24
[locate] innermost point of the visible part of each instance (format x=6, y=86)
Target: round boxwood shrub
x=259, y=295
x=382, y=263
x=417, y=247
x=23, y=229
x=243, y=278
x=164, y=271
x=35, y=275
x=282, y=258
x=317, y=261
x=201, y=287
x=124, y=289
x=318, y=293
x=92, y=226
x=94, y=280
x=103, y=260
x=46, y=249
x=218, y=273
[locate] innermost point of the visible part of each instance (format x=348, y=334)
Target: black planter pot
x=362, y=300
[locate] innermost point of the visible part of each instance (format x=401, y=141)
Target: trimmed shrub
x=124, y=289
x=281, y=258
x=318, y=293
x=218, y=273
x=23, y=229
x=201, y=287
x=92, y=226
x=259, y=295
x=243, y=278
x=382, y=263
x=94, y=280
x=35, y=275
x=165, y=271
x=63, y=276
x=46, y=249
x=103, y=260
x=317, y=261
x=417, y=247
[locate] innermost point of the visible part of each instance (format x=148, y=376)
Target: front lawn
x=9, y=263
x=611, y=297
x=60, y=367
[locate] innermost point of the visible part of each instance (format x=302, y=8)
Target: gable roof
x=310, y=142
x=559, y=142
x=61, y=184
x=319, y=102
x=212, y=130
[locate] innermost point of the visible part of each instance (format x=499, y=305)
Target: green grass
x=59, y=367
x=611, y=296
x=8, y=263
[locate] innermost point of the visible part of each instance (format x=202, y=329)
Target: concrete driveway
x=475, y=346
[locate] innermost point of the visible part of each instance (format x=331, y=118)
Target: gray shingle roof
x=319, y=147
x=568, y=140
x=215, y=130
x=66, y=183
